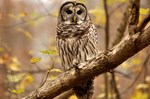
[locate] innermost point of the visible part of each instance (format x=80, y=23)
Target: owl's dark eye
x=68, y=11
x=79, y=12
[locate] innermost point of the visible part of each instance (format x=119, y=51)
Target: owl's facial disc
x=73, y=13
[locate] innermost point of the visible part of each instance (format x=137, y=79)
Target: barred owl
x=76, y=41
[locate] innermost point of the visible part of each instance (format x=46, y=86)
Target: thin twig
x=106, y=25
x=127, y=75
x=145, y=65
x=47, y=74
x=106, y=44
x=117, y=93
x=106, y=48
x=114, y=85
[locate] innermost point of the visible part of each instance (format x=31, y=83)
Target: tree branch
x=104, y=62
x=134, y=17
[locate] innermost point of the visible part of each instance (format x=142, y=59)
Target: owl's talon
x=75, y=66
x=77, y=69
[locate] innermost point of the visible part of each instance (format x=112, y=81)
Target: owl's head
x=73, y=13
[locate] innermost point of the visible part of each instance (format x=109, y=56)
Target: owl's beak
x=74, y=18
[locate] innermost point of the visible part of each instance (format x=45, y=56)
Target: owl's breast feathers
x=74, y=30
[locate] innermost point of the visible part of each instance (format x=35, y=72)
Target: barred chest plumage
x=72, y=30
x=76, y=43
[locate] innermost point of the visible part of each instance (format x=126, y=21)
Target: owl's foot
x=75, y=65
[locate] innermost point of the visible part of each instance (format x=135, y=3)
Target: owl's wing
x=93, y=35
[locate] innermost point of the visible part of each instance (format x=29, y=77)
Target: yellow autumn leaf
x=140, y=95
x=56, y=70
x=12, y=16
x=52, y=77
x=147, y=79
x=101, y=96
x=111, y=2
x=14, y=67
x=22, y=14
x=15, y=78
x=27, y=80
x=144, y=11
x=26, y=33
x=142, y=86
x=34, y=60
x=15, y=60
x=16, y=91
x=136, y=61
x=48, y=52
x=73, y=97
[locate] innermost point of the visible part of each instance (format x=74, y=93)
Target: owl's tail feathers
x=84, y=90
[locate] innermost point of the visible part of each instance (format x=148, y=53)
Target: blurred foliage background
x=28, y=55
